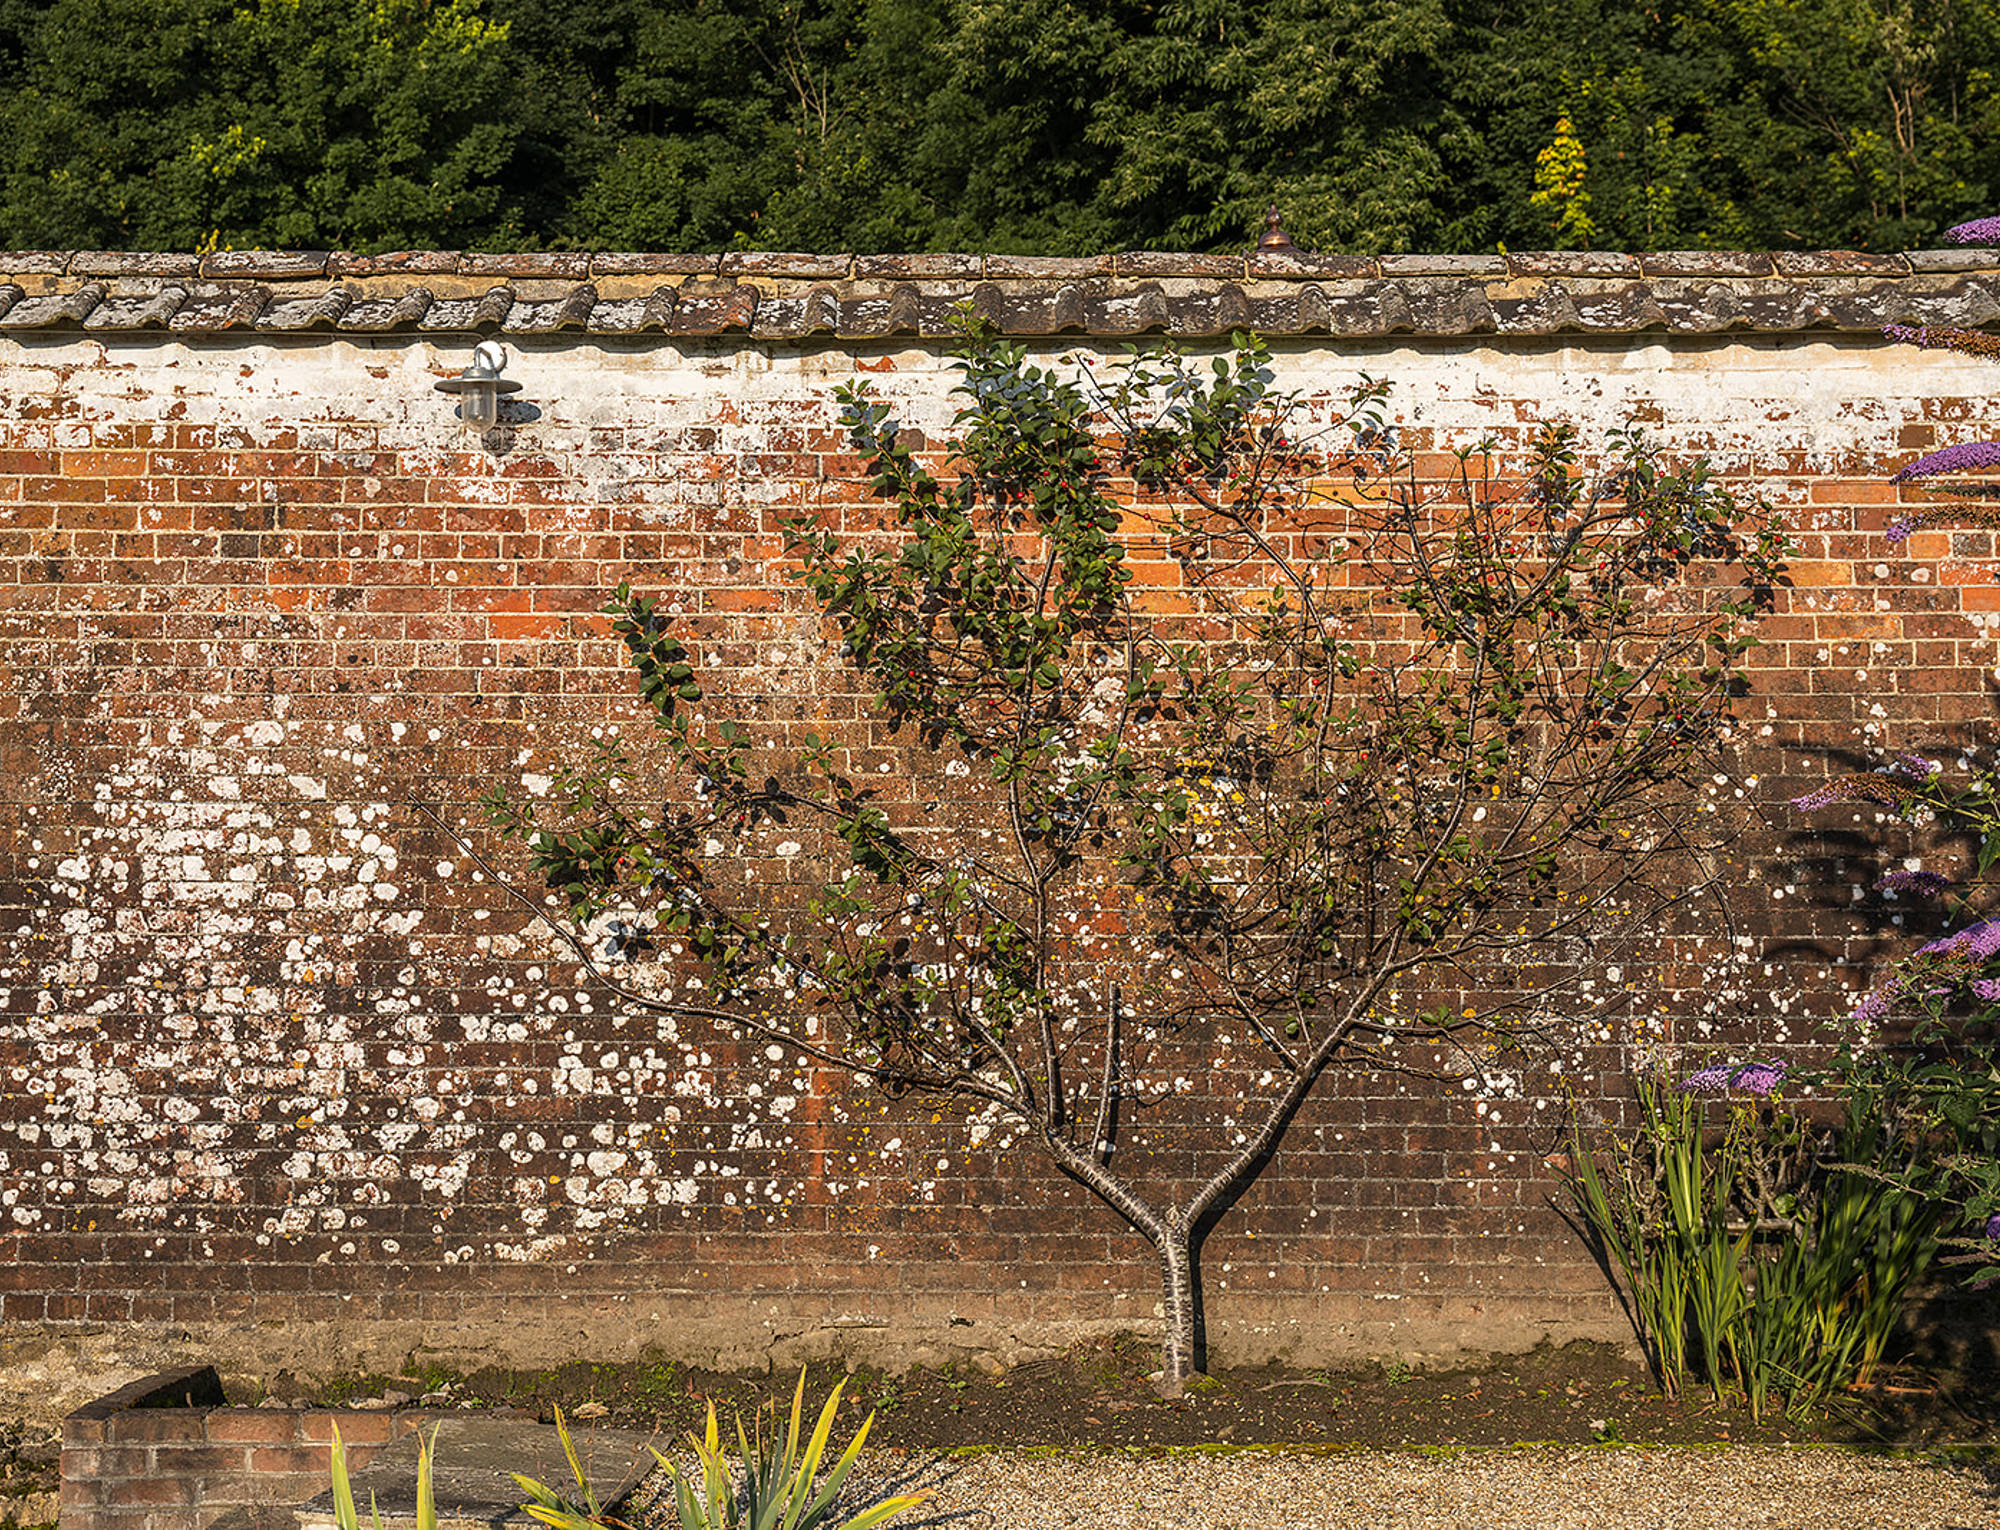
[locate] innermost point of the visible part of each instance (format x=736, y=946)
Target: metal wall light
x=479, y=387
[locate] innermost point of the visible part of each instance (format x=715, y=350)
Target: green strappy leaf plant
x=777, y=1488
x=346, y=1517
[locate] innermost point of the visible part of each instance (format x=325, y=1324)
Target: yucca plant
x=551, y=1508
x=346, y=1517
x=777, y=1487
x=777, y=1490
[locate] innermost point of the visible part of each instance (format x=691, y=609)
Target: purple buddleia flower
x=1758, y=1079
x=1978, y=231
x=1945, y=337
x=1875, y=1003
x=1953, y=459
x=1709, y=1081
x=1976, y=942
x=1898, y=532
x=1880, y=789
x=1918, y=884
x=1752, y=1078
x=1986, y=988
x=1993, y=1227
x=1916, y=767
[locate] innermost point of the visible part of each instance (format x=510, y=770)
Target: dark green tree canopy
x=1036, y=125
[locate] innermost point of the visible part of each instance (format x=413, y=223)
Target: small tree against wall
x=1415, y=756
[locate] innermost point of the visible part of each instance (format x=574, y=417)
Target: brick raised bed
x=168, y=1453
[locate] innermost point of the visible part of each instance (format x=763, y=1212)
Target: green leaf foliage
x=967, y=124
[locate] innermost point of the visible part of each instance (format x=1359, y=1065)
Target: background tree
x=197, y=123
x=1038, y=126
x=1390, y=812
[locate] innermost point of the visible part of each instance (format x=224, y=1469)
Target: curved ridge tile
x=1613, y=306
x=1964, y=302
x=449, y=316
x=526, y=317
x=1047, y=267
x=150, y=310
x=10, y=294
x=863, y=318
x=1141, y=311
x=814, y=312
x=1839, y=263
x=34, y=262
x=1778, y=306
x=1232, y=309
x=309, y=313
x=989, y=302
x=1534, y=308
x=1274, y=313
x=715, y=313
x=1572, y=263
x=906, y=309
x=57, y=310
x=1366, y=308
x=660, y=309
x=1699, y=307
x=491, y=311
x=211, y=307
x=639, y=263
x=1308, y=265
x=618, y=316
x=1448, y=267
x=1441, y=306
x=377, y=315
x=1315, y=313
x=942, y=265
x=559, y=265
x=1695, y=264
x=574, y=311
x=394, y=263
x=1178, y=263
x=1853, y=304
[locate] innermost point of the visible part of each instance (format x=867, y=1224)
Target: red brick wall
x=282, y=1076
x=164, y=1453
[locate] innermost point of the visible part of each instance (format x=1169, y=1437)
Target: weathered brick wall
x=166, y=1453
x=287, y=1084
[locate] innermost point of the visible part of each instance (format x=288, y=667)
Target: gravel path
x=1516, y=1489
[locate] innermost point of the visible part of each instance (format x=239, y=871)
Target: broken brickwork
x=285, y=1082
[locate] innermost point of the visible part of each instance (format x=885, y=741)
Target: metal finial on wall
x=1274, y=238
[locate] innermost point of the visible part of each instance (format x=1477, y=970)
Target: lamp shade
x=479, y=387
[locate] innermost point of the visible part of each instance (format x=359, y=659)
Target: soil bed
x=1099, y=1397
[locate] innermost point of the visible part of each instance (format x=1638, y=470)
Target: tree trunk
x=1177, y=1356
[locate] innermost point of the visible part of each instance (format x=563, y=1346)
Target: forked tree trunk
x=1177, y=1357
